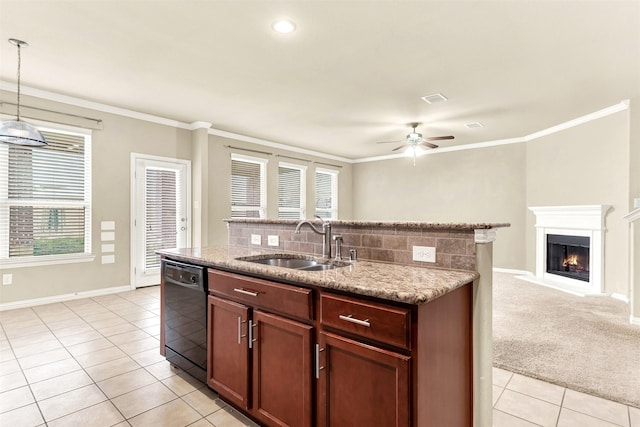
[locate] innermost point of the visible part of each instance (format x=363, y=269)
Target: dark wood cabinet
x=228, y=356
x=301, y=357
x=362, y=385
x=282, y=371
x=260, y=361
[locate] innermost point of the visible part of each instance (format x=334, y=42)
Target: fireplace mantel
x=582, y=220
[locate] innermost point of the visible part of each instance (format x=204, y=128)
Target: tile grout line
x=564, y=392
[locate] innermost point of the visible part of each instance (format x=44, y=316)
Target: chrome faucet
x=326, y=232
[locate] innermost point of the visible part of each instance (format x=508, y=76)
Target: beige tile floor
x=95, y=362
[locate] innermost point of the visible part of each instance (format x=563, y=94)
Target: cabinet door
x=361, y=385
x=282, y=371
x=228, y=361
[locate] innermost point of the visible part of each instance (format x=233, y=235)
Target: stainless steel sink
x=294, y=262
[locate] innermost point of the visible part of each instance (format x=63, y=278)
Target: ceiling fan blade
x=439, y=138
x=428, y=144
x=388, y=142
x=397, y=148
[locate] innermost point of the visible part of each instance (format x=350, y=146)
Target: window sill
x=46, y=260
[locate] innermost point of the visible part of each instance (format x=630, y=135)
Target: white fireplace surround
x=583, y=220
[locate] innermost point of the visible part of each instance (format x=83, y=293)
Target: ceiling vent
x=432, y=99
x=474, y=125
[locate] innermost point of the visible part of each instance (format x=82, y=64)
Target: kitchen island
x=419, y=334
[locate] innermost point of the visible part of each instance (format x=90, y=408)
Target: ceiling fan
x=415, y=140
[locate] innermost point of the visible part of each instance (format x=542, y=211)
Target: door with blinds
x=161, y=218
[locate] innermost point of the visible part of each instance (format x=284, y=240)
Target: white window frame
x=302, y=210
x=333, y=211
x=5, y=204
x=262, y=210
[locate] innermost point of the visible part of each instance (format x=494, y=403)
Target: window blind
x=291, y=191
x=248, y=187
x=327, y=194
x=45, y=197
x=162, y=199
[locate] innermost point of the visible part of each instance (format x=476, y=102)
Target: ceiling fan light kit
x=16, y=131
x=415, y=144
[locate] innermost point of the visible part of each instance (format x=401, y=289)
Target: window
x=291, y=191
x=248, y=187
x=327, y=193
x=45, y=199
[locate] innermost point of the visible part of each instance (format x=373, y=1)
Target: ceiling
x=351, y=74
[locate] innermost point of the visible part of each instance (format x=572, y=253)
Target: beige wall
x=481, y=185
x=634, y=184
x=593, y=163
x=494, y=184
x=220, y=182
x=585, y=165
x=111, y=150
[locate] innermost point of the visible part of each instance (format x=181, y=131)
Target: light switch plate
x=7, y=279
x=256, y=239
x=424, y=253
x=636, y=203
x=273, y=240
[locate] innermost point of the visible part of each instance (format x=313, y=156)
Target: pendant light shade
x=21, y=133
x=16, y=131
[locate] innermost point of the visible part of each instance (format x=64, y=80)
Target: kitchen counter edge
x=392, y=282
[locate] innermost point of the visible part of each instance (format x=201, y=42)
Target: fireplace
x=568, y=256
x=570, y=247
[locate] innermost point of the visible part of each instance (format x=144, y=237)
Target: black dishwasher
x=185, y=317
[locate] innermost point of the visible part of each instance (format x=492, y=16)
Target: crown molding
x=621, y=106
x=65, y=99
x=277, y=145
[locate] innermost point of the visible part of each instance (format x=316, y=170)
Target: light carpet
x=583, y=343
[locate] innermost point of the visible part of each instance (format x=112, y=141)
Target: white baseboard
x=533, y=279
x=60, y=298
x=512, y=271
x=620, y=297
x=634, y=320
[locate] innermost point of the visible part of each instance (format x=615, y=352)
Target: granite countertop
x=397, y=224
x=393, y=282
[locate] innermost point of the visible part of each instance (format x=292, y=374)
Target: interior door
x=160, y=213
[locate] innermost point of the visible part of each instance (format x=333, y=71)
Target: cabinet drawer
x=284, y=299
x=379, y=322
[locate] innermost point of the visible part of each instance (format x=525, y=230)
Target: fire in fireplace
x=568, y=256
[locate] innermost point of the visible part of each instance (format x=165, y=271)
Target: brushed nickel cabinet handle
x=352, y=319
x=318, y=367
x=245, y=292
x=240, y=336
x=251, y=340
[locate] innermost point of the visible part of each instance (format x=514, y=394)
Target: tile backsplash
x=455, y=247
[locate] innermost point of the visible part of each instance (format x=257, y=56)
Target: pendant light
x=15, y=131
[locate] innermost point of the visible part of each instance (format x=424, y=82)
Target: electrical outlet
x=256, y=239
x=7, y=279
x=273, y=240
x=424, y=253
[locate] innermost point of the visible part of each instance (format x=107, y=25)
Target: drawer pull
x=245, y=292
x=352, y=319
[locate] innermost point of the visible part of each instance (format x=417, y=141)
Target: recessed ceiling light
x=474, y=125
x=432, y=99
x=284, y=26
